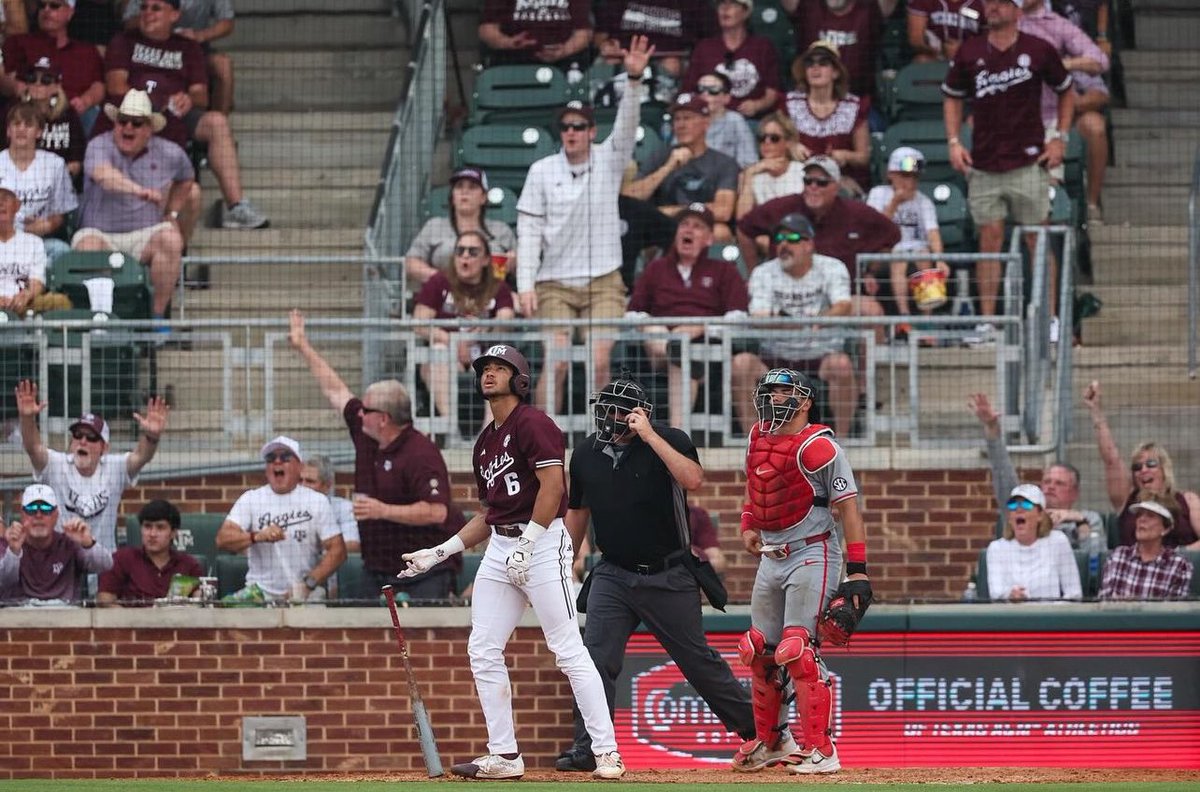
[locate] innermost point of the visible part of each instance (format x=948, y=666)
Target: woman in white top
x=1032, y=561
x=778, y=172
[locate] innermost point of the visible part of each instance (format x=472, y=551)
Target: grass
x=301, y=785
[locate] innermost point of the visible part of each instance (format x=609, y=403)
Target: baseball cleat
x=575, y=761
x=609, y=766
x=492, y=767
x=754, y=755
x=818, y=762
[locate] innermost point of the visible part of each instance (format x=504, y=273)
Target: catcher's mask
x=611, y=406
x=772, y=414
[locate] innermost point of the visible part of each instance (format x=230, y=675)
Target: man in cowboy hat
x=139, y=194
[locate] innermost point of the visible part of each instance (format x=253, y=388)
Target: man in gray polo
x=139, y=195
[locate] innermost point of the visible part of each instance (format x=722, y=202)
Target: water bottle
x=1096, y=543
x=971, y=593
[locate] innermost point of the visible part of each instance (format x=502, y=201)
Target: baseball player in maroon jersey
x=519, y=472
x=800, y=493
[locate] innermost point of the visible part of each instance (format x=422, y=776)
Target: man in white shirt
x=39, y=179
x=799, y=283
x=317, y=474
x=287, y=530
x=87, y=479
x=568, y=227
x=22, y=260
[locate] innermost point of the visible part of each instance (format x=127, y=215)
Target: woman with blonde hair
x=1032, y=561
x=829, y=119
x=1150, y=470
x=778, y=172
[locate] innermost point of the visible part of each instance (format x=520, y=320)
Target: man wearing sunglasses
x=80, y=62
x=89, y=481
x=287, y=530
x=728, y=131
x=43, y=565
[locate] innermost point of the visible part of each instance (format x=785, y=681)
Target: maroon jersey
x=134, y=578
x=80, y=62
x=947, y=22
x=847, y=229
x=752, y=67
x=671, y=25
x=548, y=21
x=857, y=34
x=712, y=288
x=507, y=458
x=1005, y=87
x=161, y=69
x=436, y=294
x=835, y=131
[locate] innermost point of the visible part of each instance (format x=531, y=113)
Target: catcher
x=799, y=490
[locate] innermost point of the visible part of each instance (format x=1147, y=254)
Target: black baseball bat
x=429, y=749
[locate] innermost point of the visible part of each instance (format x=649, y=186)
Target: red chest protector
x=779, y=492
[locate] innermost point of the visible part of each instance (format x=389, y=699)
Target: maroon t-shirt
x=161, y=69
x=134, y=578
x=671, y=25
x=712, y=288
x=835, y=131
x=857, y=34
x=548, y=21
x=1005, y=87
x=80, y=62
x=436, y=294
x=704, y=533
x=946, y=19
x=507, y=458
x=752, y=67
x=847, y=229
x=53, y=572
x=408, y=470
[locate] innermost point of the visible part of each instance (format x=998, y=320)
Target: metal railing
x=1193, y=263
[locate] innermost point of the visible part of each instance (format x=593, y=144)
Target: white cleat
x=609, y=766
x=754, y=755
x=491, y=767
x=817, y=762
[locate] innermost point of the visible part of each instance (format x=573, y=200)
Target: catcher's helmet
x=510, y=356
x=611, y=406
x=772, y=414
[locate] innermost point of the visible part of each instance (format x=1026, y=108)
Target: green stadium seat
x=350, y=580
x=954, y=216
x=981, y=579
x=519, y=94
x=727, y=251
x=115, y=366
x=929, y=137
x=770, y=21
x=501, y=204
x=1194, y=557
x=918, y=92
x=894, y=51
x=230, y=571
x=198, y=532
x=1062, y=209
x=131, y=293
x=466, y=576
x=649, y=142
x=505, y=151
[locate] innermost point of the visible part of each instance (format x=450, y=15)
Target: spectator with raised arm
x=1148, y=569
x=1032, y=561
x=750, y=62
x=142, y=574
x=1150, y=472
x=89, y=481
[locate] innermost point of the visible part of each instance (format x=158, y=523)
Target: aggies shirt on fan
x=949, y=20
x=1006, y=89
x=161, y=69
x=752, y=68
x=858, y=34
x=507, y=458
x=672, y=26
x=307, y=522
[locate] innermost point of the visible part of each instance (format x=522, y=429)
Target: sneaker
x=1094, y=215
x=609, y=766
x=492, y=766
x=1054, y=330
x=244, y=215
x=575, y=761
x=754, y=755
x=984, y=334
x=817, y=762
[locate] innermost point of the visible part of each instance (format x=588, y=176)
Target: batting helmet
x=772, y=414
x=510, y=356
x=611, y=406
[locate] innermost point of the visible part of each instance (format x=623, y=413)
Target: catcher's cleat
x=754, y=755
x=818, y=762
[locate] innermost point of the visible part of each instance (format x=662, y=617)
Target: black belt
x=783, y=551
x=651, y=568
x=512, y=531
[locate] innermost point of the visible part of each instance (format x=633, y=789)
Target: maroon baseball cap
x=699, y=211
x=693, y=102
x=93, y=422
x=476, y=175
x=577, y=107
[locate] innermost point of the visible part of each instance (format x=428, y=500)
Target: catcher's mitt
x=844, y=612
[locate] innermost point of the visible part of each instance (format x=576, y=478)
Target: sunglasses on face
x=1149, y=464
x=79, y=434
x=712, y=90
x=41, y=507
x=770, y=137
x=281, y=456
x=40, y=78
x=471, y=251
x=817, y=61
x=789, y=236
x=809, y=181
x=573, y=126
x=370, y=410
x=133, y=121
x=50, y=6
x=1019, y=503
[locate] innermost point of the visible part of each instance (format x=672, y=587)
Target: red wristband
x=746, y=526
x=856, y=552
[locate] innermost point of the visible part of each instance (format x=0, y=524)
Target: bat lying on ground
x=429, y=749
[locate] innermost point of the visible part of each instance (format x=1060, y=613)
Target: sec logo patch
x=840, y=484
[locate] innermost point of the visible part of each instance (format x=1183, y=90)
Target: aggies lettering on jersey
x=506, y=462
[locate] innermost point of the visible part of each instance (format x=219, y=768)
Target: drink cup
x=928, y=289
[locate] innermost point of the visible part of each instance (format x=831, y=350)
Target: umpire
x=627, y=478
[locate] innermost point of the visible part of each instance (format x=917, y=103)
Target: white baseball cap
x=1030, y=492
x=282, y=443
x=1154, y=508
x=39, y=492
x=906, y=159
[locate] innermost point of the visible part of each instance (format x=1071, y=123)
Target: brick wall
x=925, y=528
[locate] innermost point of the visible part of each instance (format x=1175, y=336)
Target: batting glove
x=421, y=561
x=517, y=564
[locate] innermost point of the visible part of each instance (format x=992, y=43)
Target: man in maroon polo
x=401, y=486
x=143, y=574
x=80, y=62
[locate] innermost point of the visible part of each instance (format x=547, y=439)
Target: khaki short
x=1022, y=195
x=131, y=243
x=603, y=298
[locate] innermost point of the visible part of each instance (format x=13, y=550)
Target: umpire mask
x=773, y=414
x=611, y=406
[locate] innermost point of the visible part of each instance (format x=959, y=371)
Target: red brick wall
x=925, y=528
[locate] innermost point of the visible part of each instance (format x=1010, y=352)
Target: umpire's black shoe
x=574, y=760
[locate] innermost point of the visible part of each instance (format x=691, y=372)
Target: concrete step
x=370, y=78
x=277, y=242
x=1167, y=26
x=250, y=122
x=1154, y=147
x=248, y=8
x=318, y=297
x=1158, y=92
x=1138, y=321
x=292, y=32
x=1147, y=235
x=1136, y=61
x=1146, y=204
x=1120, y=266
x=319, y=178
x=1161, y=175
x=311, y=147
x=1143, y=119
x=319, y=207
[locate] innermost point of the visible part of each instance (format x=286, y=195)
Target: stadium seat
x=518, y=94
x=770, y=21
x=131, y=293
x=1194, y=557
x=466, y=576
x=501, y=204
x=115, y=366
x=981, y=579
x=727, y=251
x=350, y=580
x=929, y=137
x=918, y=92
x=894, y=50
x=198, y=532
x=648, y=141
x=505, y=151
x=230, y=571
x=954, y=216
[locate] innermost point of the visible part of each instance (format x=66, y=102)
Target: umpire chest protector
x=777, y=475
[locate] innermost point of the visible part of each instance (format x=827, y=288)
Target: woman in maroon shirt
x=829, y=119
x=468, y=290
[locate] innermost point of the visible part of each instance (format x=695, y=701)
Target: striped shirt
x=1128, y=577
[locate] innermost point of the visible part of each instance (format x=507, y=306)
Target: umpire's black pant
x=668, y=603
